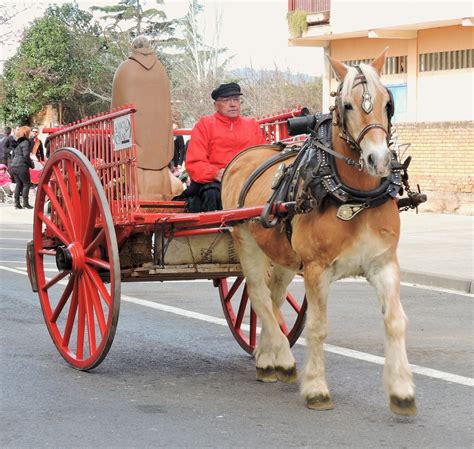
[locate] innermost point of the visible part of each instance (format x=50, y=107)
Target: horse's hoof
x=266, y=374
x=287, y=375
x=404, y=407
x=319, y=402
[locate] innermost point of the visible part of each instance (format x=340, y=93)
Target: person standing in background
x=3, y=140
x=20, y=167
x=37, y=146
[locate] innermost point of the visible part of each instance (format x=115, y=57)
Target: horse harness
x=312, y=180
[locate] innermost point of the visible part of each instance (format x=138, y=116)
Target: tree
x=270, y=91
x=198, y=67
x=128, y=19
x=57, y=62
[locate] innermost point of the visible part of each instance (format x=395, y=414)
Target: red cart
x=92, y=232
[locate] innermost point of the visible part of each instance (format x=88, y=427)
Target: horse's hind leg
x=272, y=354
x=398, y=379
x=313, y=386
x=278, y=283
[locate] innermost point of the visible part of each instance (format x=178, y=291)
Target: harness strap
x=284, y=155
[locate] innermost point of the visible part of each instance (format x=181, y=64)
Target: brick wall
x=443, y=162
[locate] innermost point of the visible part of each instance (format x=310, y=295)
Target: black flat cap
x=226, y=90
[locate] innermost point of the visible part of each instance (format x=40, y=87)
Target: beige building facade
x=430, y=50
x=429, y=69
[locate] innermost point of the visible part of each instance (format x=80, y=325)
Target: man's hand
x=219, y=174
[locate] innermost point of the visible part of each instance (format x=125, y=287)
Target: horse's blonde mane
x=373, y=80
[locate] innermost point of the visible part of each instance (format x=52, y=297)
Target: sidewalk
x=435, y=249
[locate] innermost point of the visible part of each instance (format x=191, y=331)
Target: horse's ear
x=339, y=68
x=379, y=61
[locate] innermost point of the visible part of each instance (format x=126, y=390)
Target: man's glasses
x=235, y=99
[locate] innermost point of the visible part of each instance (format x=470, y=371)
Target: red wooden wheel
x=74, y=238
x=243, y=321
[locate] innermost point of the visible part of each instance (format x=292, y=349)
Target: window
x=399, y=93
x=446, y=60
x=393, y=64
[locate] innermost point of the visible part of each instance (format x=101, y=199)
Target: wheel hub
x=70, y=258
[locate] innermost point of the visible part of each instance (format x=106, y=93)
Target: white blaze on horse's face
x=373, y=145
x=364, y=112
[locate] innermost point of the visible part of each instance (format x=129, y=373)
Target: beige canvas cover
x=141, y=80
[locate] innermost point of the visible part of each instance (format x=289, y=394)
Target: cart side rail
x=108, y=142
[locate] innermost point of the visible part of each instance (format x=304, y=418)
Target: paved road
x=175, y=381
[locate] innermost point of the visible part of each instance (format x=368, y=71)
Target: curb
x=437, y=280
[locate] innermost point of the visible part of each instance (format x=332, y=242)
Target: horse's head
x=363, y=112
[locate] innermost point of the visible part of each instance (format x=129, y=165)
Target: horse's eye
x=347, y=106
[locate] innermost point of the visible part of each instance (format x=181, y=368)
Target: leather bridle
x=367, y=106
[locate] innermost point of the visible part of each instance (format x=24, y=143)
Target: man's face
x=228, y=106
x=34, y=132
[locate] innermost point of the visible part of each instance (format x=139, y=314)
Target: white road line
x=13, y=249
x=16, y=230
x=13, y=238
x=428, y=372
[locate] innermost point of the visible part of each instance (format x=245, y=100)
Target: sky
x=255, y=31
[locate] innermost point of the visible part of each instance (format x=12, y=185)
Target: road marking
x=351, y=353
x=17, y=230
x=300, y=279
x=13, y=249
x=13, y=238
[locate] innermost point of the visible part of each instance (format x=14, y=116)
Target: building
x=429, y=69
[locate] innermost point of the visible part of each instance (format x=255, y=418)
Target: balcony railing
x=312, y=6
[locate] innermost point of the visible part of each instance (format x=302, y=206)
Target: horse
x=328, y=241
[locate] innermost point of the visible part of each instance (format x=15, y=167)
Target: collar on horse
x=312, y=180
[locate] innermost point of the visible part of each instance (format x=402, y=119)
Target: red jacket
x=215, y=140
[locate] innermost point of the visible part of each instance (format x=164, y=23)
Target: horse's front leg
x=274, y=360
x=313, y=386
x=398, y=379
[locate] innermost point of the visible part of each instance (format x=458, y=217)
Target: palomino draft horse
x=328, y=242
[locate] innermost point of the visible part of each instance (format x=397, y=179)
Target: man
x=215, y=140
x=36, y=145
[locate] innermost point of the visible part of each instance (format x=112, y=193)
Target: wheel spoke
x=234, y=288
x=292, y=301
x=66, y=198
x=253, y=328
x=54, y=229
x=63, y=300
x=95, y=243
x=71, y=316
x=81, y=322
x=55, y=280
x=281, y=322
x=99, y=312
x=78, y=216
x=242, y=307
x=90, y=222
x=99, y=284
x=90, y=317
x=98, y=263
x=56, y=206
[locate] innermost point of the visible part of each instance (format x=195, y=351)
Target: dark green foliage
x=58, y=62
